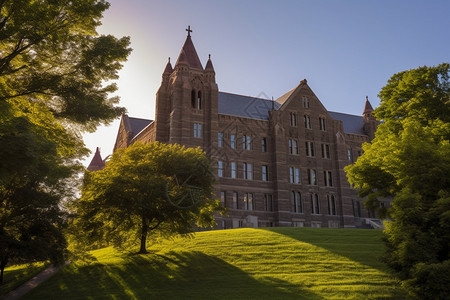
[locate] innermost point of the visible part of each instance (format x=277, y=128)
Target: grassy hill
x=276, y=263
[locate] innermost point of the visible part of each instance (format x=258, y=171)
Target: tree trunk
x=3, y=263
x=144, y=232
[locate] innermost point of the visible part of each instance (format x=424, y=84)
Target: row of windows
x=245, y=201
x=295, y=176
x=247, y=170
x=309, y=149
x=246, y=142
x=297, y=203
x=307, y=121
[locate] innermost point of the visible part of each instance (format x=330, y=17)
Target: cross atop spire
x=189, y=30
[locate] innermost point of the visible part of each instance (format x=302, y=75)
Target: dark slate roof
x=245, y=106
x=137, y=124
x=97, y=162
x=188, y=54
x=352, y=124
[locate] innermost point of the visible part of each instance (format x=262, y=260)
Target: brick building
x=278, y=163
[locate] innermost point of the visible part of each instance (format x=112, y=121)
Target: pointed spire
x=97, y=163
x=188, y=54
x=368, y=109
x=209, y=65
x=168, y=69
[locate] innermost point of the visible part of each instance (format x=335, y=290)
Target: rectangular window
x=246, y=142
x=268, y=206
x=331, y=205
x=307, y=120
x=309, y=146
x=220, y=168
x=295, y=147
x=264, y=145
x=265, y=173
x=349, y=155
x=220, y=139
x=291, y=175
x=325, y=150
x=233, y=169
x=198, y=130
x=297, y=175
x=293, y=117
x=247, y=171
x=305, y=102
x=312, y=177
x=235, y=200
x=296, y=202
x=328, y=178
x=322, y=124
x=290, y=146
x=233, y=141
x=222, y=198
x=315, y=206
x=248, y=201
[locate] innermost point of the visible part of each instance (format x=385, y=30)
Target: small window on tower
x=193, y=99
x=199, y=100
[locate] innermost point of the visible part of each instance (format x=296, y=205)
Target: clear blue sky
x=346, y=49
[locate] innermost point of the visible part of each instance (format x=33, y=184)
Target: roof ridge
x=244, y=95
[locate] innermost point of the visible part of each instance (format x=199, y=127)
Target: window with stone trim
x=331, y=205
x=315, y=204
x=325, y=151
x=268, y=205
x=264, y=144
x=307, y=121
x=220, y=139
x=233, y=141
x=247, y=171
x=223, y=198
x=235, y=200
x=198, y=128
x=296, y=202
x=312, y=177
x=248, y=201
x=305, y=102
x=328, y=178
x=309, y=147
x=293, y=119
x=264, y=173
x=246, y=142
x=322, y=124
x=220, y=168
x=233, y=169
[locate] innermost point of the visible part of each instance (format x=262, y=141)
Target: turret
x=97, y=162
x=370, y=123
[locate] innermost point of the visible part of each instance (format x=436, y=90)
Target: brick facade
x=277, y=164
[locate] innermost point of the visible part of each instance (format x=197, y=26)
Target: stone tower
x=370, y=123
x=187, y=101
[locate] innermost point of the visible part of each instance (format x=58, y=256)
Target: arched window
x=199, y=100
x=193, y=99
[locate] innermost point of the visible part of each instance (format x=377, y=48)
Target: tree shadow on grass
x=362, y=246
x=174, y=275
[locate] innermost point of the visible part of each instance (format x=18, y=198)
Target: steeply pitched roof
x=368, y=109
x=352, y=124
x=209, y=65
x=137, y=124
x=188, y=55
x=168, y=69
x=97, y=162
x=245, y=106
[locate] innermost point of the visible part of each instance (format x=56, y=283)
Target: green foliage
x=409, y=160
x=277, y=263
x=53, y=68
x=52, y=54
x=159, y=187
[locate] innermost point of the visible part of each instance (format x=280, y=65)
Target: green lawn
x=14, y=276
x=277, y=263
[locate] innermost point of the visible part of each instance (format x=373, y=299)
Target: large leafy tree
x=409, y=160
x=147, y=188
x=54, y=74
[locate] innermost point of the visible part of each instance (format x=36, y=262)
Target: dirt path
x=33, y=282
